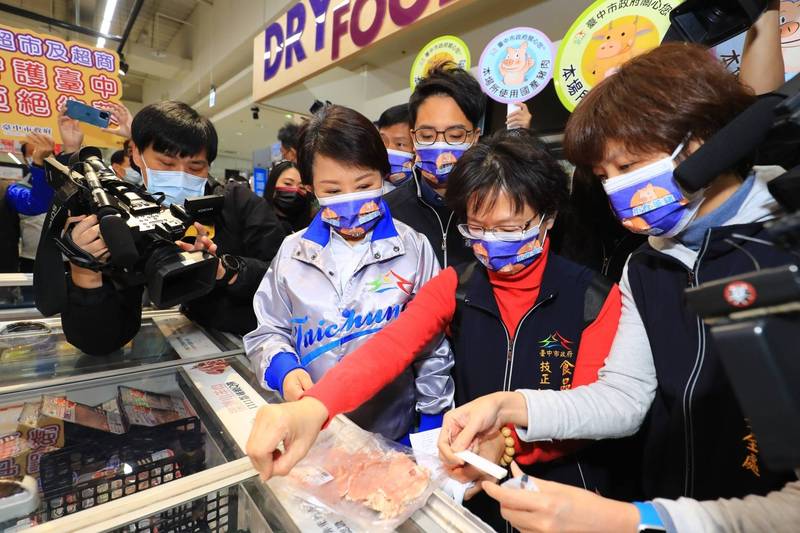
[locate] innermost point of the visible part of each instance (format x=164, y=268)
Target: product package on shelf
x=62, y=408
x=143, y=408
x=107, y=467
x=367, y=479
x=33, y=435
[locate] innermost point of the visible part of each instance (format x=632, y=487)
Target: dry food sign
x=313, y=35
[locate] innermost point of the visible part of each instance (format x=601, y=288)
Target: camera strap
x=49, y=278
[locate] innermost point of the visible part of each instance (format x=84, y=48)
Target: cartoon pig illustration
x=516, y=65
x=790, y=34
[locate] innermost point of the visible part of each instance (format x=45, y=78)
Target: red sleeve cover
x=363, y=373
x=595, y=344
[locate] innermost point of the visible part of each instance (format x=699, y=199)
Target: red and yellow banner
x=39, y=72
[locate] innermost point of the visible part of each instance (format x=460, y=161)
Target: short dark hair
x=653, y=102
x=23, y=147
x=118, y=157
x=289, y=135
x=448, y=80
x=175, y=129
x=272, y=179
x=397, y=114
x=342, y=134
x=515, y=162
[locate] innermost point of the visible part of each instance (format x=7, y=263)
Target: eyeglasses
x=503, y=233
x=452, y=135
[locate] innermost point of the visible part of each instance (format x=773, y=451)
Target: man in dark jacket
x=446, y=109
x=174, y=147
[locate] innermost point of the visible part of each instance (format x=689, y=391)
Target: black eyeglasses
x=452, y=135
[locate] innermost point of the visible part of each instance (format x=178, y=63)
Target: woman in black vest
x=663, y=376
x=519, y=317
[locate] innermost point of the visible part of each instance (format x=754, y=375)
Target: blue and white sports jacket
x=306, y=320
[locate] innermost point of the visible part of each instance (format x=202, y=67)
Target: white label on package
x=231, y=398
x=185, y=337
x=482, y=464
x=316, y=476
x=426, y=452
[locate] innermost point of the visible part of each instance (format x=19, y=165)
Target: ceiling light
x=12, y=156
x=289, y=116
x=105, y=25
x=238, y=133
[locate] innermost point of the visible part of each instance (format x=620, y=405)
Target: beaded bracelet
x=508, y=456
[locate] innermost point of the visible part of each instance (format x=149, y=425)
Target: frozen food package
x=369, y=480
x=154, y=400
x=143, y=408
x=64, y=409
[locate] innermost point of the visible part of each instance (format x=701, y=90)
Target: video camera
x=755, y=317
x=140, y=234
x=711, y=22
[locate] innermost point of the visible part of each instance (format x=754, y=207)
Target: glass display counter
x=16, y=297
x=148, y=439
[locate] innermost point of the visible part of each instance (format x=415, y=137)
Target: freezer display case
x=16, y=296
x=150, y=439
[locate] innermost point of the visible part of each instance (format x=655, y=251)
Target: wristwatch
x=649, y=520
x=232, y=265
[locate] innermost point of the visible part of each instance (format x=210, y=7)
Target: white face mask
x=176, y=185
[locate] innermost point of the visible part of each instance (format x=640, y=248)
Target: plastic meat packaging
x=364, y=477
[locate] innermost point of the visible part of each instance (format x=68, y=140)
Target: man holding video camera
x=174, y=146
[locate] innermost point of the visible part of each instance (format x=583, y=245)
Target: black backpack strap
x=464, y=272
x=595, y=298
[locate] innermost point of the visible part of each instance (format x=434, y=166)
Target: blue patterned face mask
x=354, y=214
x=648, y=200
x=402, y=166
x=439, y=158
x=498, y=249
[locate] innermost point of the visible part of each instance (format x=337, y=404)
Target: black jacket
x=438, y=224
x=589, y=233
x=541, y=354
x=99, y=321
x=694, y=436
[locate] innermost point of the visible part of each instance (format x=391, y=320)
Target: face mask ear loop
x=681, y=146
x=542, y=234
x=541, y=221
x=146, y=168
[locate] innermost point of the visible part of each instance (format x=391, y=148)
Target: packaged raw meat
x=364, y=477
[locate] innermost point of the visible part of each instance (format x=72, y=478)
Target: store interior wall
x=220, y=42
x=213, y=46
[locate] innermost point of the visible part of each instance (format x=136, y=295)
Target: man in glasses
x=445, y=111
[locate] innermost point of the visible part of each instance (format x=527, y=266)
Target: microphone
x=119, y=240
x=739, y=138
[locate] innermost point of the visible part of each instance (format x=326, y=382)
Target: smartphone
x=88, y=114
